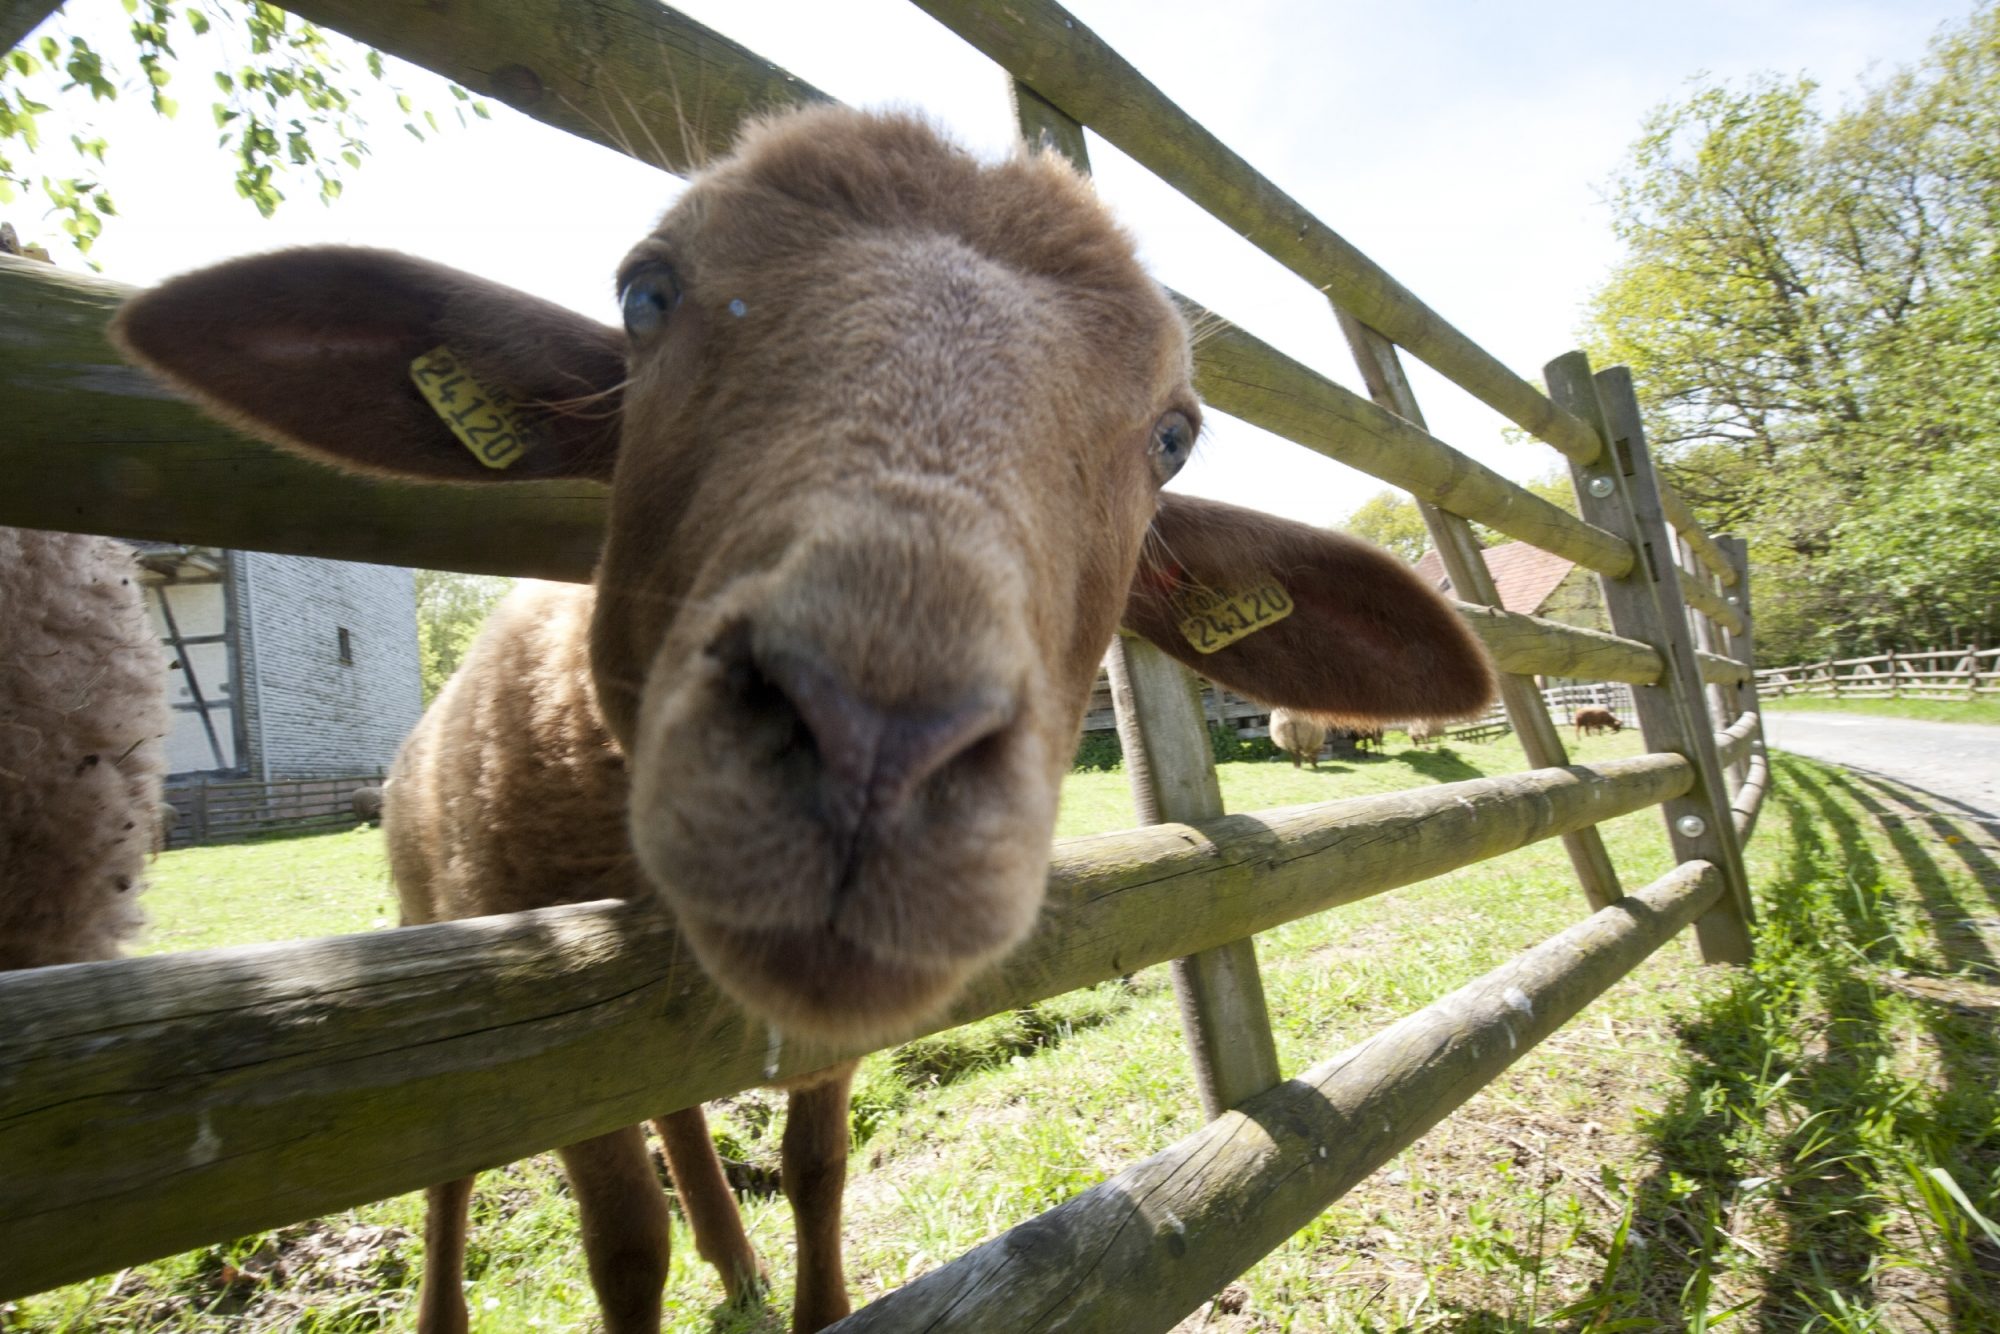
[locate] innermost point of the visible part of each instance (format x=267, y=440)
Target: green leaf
x=1959, y=1197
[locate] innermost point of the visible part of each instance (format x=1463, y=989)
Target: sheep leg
x=815, y=1174
x=710, y=1205
x=624, y=1215
x=441, y=1298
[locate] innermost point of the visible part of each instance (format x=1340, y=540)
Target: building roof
x=1524, y=575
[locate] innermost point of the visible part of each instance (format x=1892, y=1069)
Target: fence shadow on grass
x=1793, y=1083
x=1443, y=765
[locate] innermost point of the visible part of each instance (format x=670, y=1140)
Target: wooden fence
x=214, y=811
x=1945, y=673
x=150, y=1105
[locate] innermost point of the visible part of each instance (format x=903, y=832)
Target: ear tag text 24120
x=1212, y=618
x=483, y=421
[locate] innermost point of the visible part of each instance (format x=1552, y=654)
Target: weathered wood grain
x=1157, y=702
x=1139, y=1252
x=1709, y=603
x=631, y=75
x=1716, y=669
x=1531, y=646
x=1248, y=378
x=1382, y=371
x=151, y=1105
x=1051, y=51
x=1646, y=605
x=89, y=444
x=1743, y=646
x=1704, y=547
x=1733, y=742
x=1748, y=803
x=1221, y=992
x=18, y=18
x=93, y=445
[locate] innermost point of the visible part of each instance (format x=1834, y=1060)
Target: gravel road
x=1956, y=762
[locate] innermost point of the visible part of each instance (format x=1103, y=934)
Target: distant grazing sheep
x=367, y=804
x=1298, y=735
x=885, y=432
x=1365, y=738
x=83, y=709
x=1589, y=722
x=1423, y=732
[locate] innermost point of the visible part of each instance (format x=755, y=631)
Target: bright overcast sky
x=1464, y=145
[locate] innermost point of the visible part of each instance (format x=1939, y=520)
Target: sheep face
x=885, y=433
x=893, y=433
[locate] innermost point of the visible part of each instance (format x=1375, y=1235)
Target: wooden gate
x=151, y=1105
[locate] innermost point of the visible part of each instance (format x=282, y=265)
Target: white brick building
x=283, y=666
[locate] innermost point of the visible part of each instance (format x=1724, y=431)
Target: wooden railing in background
x=1944, y=673
x=214, y=810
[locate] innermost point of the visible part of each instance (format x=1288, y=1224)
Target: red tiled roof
x=1524, y=575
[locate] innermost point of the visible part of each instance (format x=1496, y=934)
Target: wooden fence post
x=1382, y=371
x=18, y=18
x=1743, y=646
x=1620, y=492
x=1172, y=767
x=1895, y=676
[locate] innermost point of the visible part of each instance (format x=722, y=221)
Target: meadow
x=1809, y=1143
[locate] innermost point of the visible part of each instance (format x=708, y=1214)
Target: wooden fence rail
x=1146, y=1248
x=151, y=1105
x=154, y=1104
x=1970, y=674
x=138, y=471
x=212, y=809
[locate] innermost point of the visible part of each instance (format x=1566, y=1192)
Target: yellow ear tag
x=483, y=421
x=1212, y=618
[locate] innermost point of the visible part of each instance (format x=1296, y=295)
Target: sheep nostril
x=873, y=758
x=915, y=748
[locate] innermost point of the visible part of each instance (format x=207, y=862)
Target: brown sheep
x=1589, y=722
x=366, y=803
x=885, y=433
x=83, y=709
x=83, y=712
x=1298, y=735
x=1424, y=732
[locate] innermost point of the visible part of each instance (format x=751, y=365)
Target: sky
x=1467, y=146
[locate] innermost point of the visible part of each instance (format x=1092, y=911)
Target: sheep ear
x=1301, y=617
x=322, y=351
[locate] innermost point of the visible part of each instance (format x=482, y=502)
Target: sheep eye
x=1173, y=441
x=649, y=294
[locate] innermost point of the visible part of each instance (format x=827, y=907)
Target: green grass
x=1810, y=1143
x=1931, y=710
x=274, y=889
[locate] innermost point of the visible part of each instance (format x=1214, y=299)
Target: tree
x=1807, y=306
x=451, y=608
x=1391, y=519
x=284, y=105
